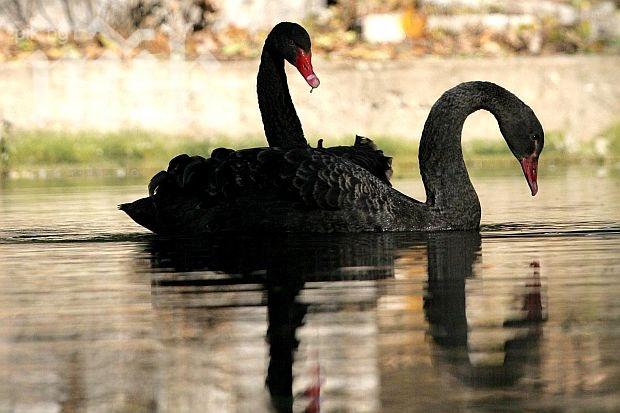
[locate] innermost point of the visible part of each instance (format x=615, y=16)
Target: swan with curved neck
x=446, y=181
x=290, y=42
x=310, y=190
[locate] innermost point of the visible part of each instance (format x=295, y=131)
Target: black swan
x=291, y=42
x=262, y=190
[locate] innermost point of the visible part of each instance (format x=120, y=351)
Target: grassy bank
x=145, y=152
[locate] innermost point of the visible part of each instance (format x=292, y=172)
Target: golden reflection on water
x=98, y=316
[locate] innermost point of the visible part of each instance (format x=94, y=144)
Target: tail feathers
x=363, y=142
x=366, y=154
x=375, y=161
x=155, y=181
x=387, y=168
x=143, y=212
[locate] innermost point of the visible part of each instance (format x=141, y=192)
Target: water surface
x=98, y=315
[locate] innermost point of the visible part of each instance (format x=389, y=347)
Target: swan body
x=303, y=189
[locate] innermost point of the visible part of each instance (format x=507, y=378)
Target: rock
x=263, y=14
x=604, y=20
x=383, y=28
x=495, y=21
x=566, y=14
x=535, y=43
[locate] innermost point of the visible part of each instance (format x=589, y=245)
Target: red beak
x=529, y=164
x=303, y=63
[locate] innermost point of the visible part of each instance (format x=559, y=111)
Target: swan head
x=526, y=138
x=292, y=43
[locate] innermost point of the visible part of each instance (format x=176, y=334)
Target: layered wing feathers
x=314, y=178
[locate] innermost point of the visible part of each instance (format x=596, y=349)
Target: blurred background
x=120, y=86
x=99, y=315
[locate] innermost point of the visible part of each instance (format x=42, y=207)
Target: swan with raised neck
x=290, y=42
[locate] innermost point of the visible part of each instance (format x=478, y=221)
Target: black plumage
x=307, y=189
x=282, y=125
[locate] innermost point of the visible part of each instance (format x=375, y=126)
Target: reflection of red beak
x=530, y=170
x=533, y=298
x=303, y=63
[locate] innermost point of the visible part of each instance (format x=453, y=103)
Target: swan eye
x=534, y=137
x=291, y=42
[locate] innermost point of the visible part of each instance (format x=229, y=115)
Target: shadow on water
x=285, y=266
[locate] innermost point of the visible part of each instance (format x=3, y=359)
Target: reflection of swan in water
x=310, y=258
x=283, y=266
x=480, y=350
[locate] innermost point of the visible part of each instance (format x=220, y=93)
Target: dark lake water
x=97, y=315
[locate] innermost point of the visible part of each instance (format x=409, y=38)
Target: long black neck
x=447, y=183
x=280, y=120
